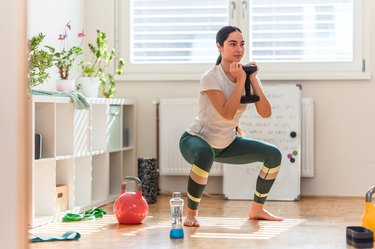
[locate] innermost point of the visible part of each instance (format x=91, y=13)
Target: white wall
x=345, y=121
x=50, y=18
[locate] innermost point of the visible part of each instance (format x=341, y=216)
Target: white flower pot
x=65, y=85
x=89, y=86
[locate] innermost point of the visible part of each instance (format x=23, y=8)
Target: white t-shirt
x=209, y=124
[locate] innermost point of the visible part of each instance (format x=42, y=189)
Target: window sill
x=317, y=76
x=263, y=76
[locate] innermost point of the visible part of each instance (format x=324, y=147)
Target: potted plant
x=63, y=59
x=39, y=61
x=95, y=72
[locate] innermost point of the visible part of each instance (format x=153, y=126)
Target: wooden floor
x=309, y=223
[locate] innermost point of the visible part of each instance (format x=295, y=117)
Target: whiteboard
x=282, y=129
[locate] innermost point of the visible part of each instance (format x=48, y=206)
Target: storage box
x=61, y=198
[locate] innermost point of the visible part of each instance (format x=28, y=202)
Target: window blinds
x=165, y=31
x=301, y=30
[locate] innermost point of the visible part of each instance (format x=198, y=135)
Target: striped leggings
x=242, y=150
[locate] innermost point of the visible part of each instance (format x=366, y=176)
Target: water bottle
x=177, y=205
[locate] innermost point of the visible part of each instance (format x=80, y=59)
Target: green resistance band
x=88, y=215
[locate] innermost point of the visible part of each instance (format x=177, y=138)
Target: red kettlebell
x=130, y=207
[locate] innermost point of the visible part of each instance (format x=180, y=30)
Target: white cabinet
x=88, y=151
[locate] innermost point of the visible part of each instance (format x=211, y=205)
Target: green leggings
x=242, y=150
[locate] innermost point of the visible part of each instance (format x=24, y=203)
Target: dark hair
x=222, y=35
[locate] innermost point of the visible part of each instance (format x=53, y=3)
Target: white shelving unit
x=89, y=151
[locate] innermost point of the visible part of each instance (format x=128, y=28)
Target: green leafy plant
x=98, y=66
x=39, y=61
x=64, y=58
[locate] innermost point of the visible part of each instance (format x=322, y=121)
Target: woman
x=215, y=134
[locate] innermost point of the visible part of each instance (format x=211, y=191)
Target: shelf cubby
x=81, y=132
x=115, y=171
x=128, y=162
x=65, y=176
x=100, y=177
x=64, y=130
x=128, y=126
x=44, y=188
x=114, y=128
x=45, y=126
x=82, y=181
x=98, y=127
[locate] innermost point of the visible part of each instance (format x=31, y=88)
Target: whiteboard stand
x=282, y=129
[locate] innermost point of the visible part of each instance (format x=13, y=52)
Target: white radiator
x=307, y=148
x=176, y=114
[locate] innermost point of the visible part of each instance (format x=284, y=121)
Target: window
x=289, y=39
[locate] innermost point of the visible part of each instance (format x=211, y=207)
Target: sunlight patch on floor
x=159, y=225
x=211, y=227
x=83, y=227
x=244, y=229
x=229, y=236
x=231, y=228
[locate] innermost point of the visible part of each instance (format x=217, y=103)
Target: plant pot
x=65, y=85
x=89, y=86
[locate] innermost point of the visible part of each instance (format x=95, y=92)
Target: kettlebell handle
x=369, y=194
x=131, y=178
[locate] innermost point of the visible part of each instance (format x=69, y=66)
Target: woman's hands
x=237, y=72
x=254, y=64
x=239, y=131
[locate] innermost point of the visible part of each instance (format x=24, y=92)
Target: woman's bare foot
x=258, y=212
x=191, y=218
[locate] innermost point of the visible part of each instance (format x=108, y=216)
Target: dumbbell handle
x=369, y=194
